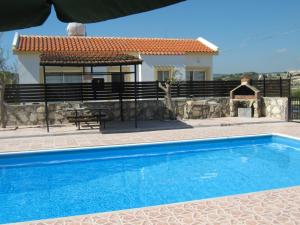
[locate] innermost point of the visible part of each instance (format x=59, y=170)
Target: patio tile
x=131, y=215
x=106, y=219
x=166, y=220
x=157, y=212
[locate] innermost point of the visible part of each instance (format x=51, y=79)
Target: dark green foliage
x=237, y=76
x=296, y=92
x=7, y=77
x=253, y=75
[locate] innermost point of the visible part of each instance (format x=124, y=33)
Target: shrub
x=296, y=92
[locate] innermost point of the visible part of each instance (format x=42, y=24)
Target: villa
x=130, y=145
x=188, y=59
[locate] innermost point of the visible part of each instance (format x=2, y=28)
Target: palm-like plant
x=166, y=87
x=5, y=78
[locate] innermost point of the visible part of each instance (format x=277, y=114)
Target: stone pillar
x=232, y=108
x=257, y=108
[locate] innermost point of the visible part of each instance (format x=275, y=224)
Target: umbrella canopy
x=18, y=14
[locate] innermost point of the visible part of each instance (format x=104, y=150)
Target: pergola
x=91, y=59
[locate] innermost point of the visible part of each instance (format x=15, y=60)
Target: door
x=117, y=82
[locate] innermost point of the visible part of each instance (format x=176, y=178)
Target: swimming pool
x=74, y=182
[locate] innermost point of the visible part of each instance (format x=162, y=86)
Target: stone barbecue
x=245, y=96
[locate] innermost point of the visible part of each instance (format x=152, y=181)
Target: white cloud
x=281, y=50
x=266, y=37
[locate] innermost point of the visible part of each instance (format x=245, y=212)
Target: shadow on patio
x=111, y=128
x=151, y=125
x=128, y=127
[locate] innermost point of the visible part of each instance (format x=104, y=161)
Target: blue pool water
x=65, y=183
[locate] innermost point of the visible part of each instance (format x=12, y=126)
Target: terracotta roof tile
x=150, y=46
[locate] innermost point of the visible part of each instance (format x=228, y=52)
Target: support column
x=120, y=93
x=140, y=70
x=135, y=98
x=81, y=83
x=45, y=99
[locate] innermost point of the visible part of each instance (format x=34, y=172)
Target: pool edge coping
x=67, y=149
x=155, y=206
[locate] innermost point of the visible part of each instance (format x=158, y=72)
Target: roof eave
x=88, y=64
x=15, y=43
x=208, y=44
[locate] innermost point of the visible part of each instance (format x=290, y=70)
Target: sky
x=254, y=35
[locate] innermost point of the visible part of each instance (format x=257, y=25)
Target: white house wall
x=28, y=68
x=178, y=62
x=65, y=69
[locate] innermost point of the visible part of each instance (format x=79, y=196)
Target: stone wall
x=34, y=114
x=152, y=109
x=275, y=107
x=206, y=108
x=198, y=108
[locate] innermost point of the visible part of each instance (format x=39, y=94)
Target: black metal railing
x=19, y=93
x=294, y=109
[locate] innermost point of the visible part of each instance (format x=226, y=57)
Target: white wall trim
x=15, y=40
x=208, y=44
x=140, y=69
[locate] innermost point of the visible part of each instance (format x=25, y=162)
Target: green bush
x=296, y=92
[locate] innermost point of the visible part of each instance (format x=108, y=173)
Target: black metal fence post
x=264, y=85
x=290, y=109
x=121, y=84
x=46, y=99
x=81, y=92
x=280, y=86
x=135, y=97
x=290, y=87
x=81, y=86
x=157, y=89
x=190, y=89
x=121, y=105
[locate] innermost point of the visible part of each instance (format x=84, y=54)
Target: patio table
x=76, y=110
x=98, y=110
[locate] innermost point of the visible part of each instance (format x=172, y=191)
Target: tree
x=6, y=77
x=166, y=87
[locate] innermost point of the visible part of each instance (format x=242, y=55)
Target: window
x=126, y=77
x=59, y=78
x=163, y=75
x=194, y=75
x=72, y=79
x=54, y=78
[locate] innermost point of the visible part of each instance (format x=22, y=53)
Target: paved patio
x=36, y=138
x=269, y=207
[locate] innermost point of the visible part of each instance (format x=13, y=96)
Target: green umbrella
x=17, y=14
